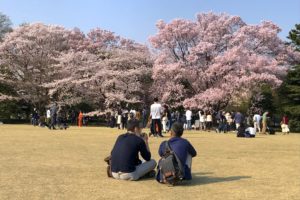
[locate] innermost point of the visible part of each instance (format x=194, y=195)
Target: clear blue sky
x=136, y=19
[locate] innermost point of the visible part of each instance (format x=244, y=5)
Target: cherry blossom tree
x=109, y=71
x=47, y=62
x=26, y=55
x=216, y=60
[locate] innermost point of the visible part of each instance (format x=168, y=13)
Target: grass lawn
x=36, y=163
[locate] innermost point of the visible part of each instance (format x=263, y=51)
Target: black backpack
x=170, y=167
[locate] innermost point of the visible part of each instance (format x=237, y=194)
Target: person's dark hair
x=166, y=108
x=155, y=99
x=177, y=129
x=132, y=124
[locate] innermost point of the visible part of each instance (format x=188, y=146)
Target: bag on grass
x=170, y=167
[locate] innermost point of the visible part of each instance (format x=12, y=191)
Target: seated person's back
x=125, y=154
x=125, y=162
x=182, y=148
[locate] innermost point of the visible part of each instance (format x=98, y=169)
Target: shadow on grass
x=201, y=178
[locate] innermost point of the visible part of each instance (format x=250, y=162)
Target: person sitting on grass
x=182, y=149
x=250, y=132
x=242, y=131
x=125, y=162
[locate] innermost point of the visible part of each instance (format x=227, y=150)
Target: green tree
x=5, y=25
x=294, y=37
x=289, y=92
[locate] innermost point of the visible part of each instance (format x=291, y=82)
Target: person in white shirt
x=155, y=113
x=133, y=112
x=164, y=122
x=250, y=132
x=119, y=119
x=202, y=120
x=188, y=115
x=229, y=121
x=48, y=116
x=256, y=122
x=208, y=121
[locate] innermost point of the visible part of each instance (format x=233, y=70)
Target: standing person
x=202, y=120
x=209, y=121
x=228, y=121
x=164, y=121
x=156, y=111
x=53, y=114
x=125, y=162
x=144, y=117
x=107, y=118
x=188, y=115
x=80, y=119
x=58, y=117
x=285, y=125
x=124, y=119
x=173, y=119
x=112, y=122
x=48, y=117
x=35, y=117
x=183, y=121
x=238, y=119
x=264, y=122
x=217, y=117
x=256, y=122
x=169, y=117
x=222, y=123
x=119, y=119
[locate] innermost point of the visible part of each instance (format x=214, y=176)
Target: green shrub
x=294, y=125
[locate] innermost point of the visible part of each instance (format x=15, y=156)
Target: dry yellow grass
x=37, y=163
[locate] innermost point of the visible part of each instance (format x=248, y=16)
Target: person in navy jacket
x=182, y=148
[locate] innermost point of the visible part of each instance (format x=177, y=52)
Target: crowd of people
x=54, y=118
x=161, y=118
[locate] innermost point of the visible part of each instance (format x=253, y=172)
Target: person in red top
x=80, y=117
x=285, y=125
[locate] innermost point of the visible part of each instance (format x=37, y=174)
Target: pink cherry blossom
x=216, y=60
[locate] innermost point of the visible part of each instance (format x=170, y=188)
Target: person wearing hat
x=125, y=162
